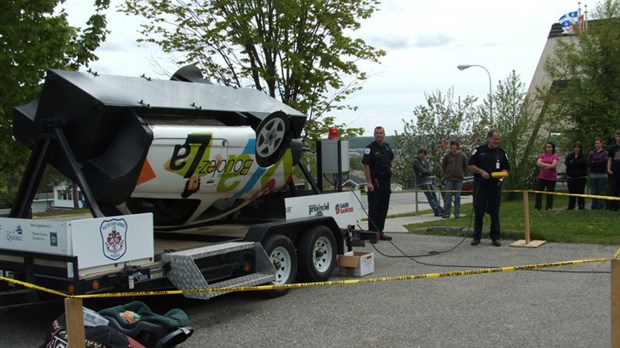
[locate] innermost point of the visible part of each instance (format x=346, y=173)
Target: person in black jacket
x=613, y=170
x=378, y=161
x=597, y=161
x=576, y=175
x=424, y=180
x=484, y=161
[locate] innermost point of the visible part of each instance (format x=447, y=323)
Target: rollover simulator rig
x=189, y=185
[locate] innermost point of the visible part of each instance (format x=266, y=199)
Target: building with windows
x=64, y=196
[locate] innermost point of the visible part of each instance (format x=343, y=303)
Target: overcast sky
x=425, y=40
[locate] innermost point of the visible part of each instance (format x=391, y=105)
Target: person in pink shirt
x=548, y=164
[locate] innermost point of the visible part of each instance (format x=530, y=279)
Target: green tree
x=298, y=50
x=521, y=141
x=586, y=75
x=442, y=119
x=35, y=36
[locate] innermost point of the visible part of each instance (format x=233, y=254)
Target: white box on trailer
x=101, y=244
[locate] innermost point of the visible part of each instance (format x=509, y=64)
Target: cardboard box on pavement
x=356, y=263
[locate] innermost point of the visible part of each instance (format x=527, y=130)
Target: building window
x=64, y=195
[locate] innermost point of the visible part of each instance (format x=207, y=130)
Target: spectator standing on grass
x=613, y=169
x=424, y=180
x=454, y=165
x=548, y=176
x=597, y=161
x=576, y=175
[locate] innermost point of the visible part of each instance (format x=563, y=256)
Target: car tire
x=273, y=137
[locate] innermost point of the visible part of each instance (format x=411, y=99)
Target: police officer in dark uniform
x=378, y=160
x=484, y=161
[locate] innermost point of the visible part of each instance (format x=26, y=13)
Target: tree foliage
x=35, y=36
x=297, y=50
x=442, y=119
x=520, y=140
x=586, y=71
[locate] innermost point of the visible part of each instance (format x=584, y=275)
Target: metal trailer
x=188, y=184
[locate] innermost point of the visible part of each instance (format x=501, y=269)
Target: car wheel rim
x=282, y=261
x=323, y=254
x=270, y=137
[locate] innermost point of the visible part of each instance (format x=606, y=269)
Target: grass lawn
x=63, y=212
x=557, y=225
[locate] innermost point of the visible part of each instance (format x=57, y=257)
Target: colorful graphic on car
x=214, y=169
x=193, y=160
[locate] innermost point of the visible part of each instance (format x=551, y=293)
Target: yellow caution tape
x=315, y=284
x=611, y=198
x=33, y=286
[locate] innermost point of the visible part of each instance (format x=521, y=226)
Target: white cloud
x=436, y=40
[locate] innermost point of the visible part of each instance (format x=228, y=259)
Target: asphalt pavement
x=409, y=202
x=553, y=307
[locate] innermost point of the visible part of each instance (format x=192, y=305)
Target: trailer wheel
x=317, y=254
x=281, y=252
x=273, y=137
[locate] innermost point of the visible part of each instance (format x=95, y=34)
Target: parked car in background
x=468, y=186
x=396, y=187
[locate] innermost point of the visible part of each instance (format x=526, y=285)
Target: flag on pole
x=569, y=21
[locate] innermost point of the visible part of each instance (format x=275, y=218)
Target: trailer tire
x=281, y=252
x=317, y=254
x=273, y=137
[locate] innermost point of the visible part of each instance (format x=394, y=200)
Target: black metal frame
x=52, y=139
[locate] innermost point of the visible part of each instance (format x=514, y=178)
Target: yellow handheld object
x=499, y=175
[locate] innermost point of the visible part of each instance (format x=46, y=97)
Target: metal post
x=339, y=167
x=319, y=165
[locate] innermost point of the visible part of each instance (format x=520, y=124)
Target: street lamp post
x=467, y=66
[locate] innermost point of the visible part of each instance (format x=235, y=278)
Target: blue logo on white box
x=15, y=236
x=54, y=239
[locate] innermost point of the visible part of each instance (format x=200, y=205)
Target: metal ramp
x=185, y=274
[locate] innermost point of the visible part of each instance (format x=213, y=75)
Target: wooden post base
x=615, y=303
x=75, y=322
x=522, y=243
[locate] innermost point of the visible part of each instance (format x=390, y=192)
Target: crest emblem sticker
x=114, y=238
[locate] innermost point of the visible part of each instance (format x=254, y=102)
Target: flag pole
x=579, y=24
x=585, y=12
